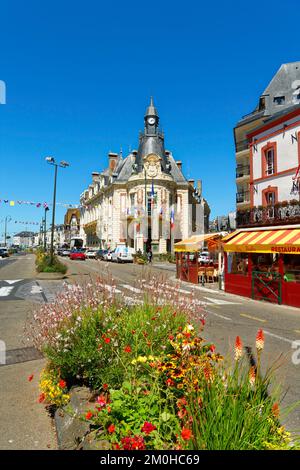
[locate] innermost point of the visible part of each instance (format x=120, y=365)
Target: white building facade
x=143, y=200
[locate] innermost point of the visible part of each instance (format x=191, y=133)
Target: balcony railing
x=243, y=196
x=242, y=170
x=278, y=214
x=242, y=145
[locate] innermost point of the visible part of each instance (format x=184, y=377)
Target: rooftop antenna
x=121, y=152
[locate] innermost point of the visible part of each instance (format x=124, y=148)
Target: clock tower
x=151, y=119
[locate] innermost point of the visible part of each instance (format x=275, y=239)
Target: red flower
x=108, y=409
x=105, y=386
x=62, y=384
x=107, y=340
x=148, y=427
x=116, y=446
x=148, y=343
x=212, y=348
x=145, y=334
x=153, y=318
x=111, y=429
x=133, y=443
x=42, y=398
x=171, y=337
x=133, y=332
x=260, y=340
x=186, y=434
x=127, y=349
x=30, y=378
x=202, y=321
x=89, y=415
x=170, y=382
x=187, y=334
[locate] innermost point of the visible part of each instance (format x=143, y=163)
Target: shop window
x=291, y=268
x=265, y=262
x=237, y=263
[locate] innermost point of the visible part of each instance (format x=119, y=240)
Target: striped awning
x=264, y=241
x=195, y=243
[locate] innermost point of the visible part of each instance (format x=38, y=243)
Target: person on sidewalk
x=149, y=256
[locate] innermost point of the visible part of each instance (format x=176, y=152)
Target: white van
x=122, y=254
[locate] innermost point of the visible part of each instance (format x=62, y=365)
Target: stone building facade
x=142, y=201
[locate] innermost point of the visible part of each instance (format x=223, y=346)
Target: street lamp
x=62, y=164
x=7, y=219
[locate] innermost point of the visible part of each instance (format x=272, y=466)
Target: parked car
x=4, y=252
x=122, y=254
x=77, y=254
x=65, y=252
x=107, y=256
x=205, y=258
x=91, y=253
x=100, y=254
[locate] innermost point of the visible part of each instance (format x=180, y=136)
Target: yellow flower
x=142, y=359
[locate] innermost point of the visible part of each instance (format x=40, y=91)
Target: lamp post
x=7, y=219
x=62, y=164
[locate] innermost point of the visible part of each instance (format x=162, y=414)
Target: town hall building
x=143, y=200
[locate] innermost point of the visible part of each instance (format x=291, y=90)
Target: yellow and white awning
x=264, y=241
x=195, y=243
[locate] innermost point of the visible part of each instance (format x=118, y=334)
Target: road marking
x=220, y=316
x=252, y=318
x=133, y=289
x=14, y=281
x=5, y=291
x=221, y=302
x=279, y=337
x=36, y=290
x=112, y=289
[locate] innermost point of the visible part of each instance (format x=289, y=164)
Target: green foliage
x=232, y=414
x=99, y=348
x=44, y=265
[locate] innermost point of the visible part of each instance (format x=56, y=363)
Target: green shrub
x=44, y=265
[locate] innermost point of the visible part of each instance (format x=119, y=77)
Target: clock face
x=151, y=120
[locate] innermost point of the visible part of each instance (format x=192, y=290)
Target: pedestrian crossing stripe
x=13, y=281
x=5, y=291
x=221, y=302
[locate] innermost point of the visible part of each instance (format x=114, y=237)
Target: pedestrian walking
x=149, y=255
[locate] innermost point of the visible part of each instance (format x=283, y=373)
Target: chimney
x=112, y=159
x=199, y=187
x=179, y=164
x=95, y=176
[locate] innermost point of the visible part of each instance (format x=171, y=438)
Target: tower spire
x=151, y=110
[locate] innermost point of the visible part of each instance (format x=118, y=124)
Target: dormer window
x=279, y=100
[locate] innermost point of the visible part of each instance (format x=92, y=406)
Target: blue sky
x=79, y=76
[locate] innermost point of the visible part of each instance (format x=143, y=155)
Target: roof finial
x=151, y=110
x=151, y=101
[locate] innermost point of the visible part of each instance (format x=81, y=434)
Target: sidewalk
x=25, y=423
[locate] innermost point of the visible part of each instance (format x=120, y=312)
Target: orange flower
x=186, y=434
x=111, y=429
x=127, y=349
x=105, y=386
x=30, y=378
x=238, y=349
x=252, y=376
x=260, y=340
x=275, y=410
x=89, y=415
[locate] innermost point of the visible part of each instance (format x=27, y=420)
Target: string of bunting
x=26, y=223
x=13, y=203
